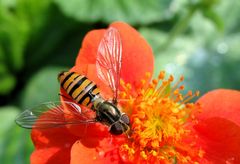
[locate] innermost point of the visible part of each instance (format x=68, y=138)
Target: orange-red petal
x=224, y=103
x=106, y=152
x=137, y=56
x=53, y=137
x=52, y=155
x=52, y=145
x=89, y=130
x=220, y=139
x=219, y=126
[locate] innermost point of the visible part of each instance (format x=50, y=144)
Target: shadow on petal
x=53, y=155
x=224, y=103
x=220, y=139
x=106, y=152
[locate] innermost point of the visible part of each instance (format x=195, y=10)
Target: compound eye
x=116, y=128
x=125, y=119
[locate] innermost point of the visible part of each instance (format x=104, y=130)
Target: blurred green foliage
x=38, y=39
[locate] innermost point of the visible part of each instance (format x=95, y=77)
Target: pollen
x=160, y=114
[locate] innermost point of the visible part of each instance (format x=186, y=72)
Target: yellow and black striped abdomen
x=79, y=87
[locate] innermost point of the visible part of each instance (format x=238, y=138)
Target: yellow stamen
x=158, y=114
x=143, y=155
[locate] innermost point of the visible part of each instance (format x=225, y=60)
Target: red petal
x=43, y=138
x=53, y=155
x=51, y=146
x=137, y=54
x=88, y=51
x=220, y=140
x=137, y=57
x=43, y=155
x=219, y=125
x=106, y=152
x=222, y=103
x=89, y=130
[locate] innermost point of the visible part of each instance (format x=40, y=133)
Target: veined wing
x=109, y=60
x=53, y=114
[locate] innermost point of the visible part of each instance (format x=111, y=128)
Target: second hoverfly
x=86, y=93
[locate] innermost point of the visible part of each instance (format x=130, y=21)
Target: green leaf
x=12, y=38
x=3, y=67
x=230, y=47
x=7, y=83
x=207, y=61
x=7, y=116
x=229, y=13
x=174, y=58
x=15, y=142
x=8, y=3
x=17, y=27
x=133, y=11
x=215, y=18
x=42, y=87
x=49, y=48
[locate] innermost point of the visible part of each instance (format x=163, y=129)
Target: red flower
x=59, y=145
x=160, y=122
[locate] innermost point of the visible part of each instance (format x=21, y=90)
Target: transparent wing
x=109, y=60
x=54, y=114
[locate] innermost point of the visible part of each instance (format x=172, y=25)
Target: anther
x=148, y=75
x=141, y=115
x=171, y=78
x=181, y=87
x=181, y=78
x=155, y=144
x=154, y=153
x=161, y=75
x=128, y=86
x=176, y=92
x=155, y=81
x=122, y=82
x=143, y=155
x=190, y=93
x=143, y=82
x=137, y=121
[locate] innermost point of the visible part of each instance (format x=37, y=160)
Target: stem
x=180, y=27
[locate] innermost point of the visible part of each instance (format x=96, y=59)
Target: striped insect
x=85, y=92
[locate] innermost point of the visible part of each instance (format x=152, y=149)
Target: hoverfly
x=86, y=93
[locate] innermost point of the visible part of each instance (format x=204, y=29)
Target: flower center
x=159, y=116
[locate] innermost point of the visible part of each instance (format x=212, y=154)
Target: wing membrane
x=54, y=114
x=109, y=59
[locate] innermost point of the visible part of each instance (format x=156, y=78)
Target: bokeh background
x=38, y=39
